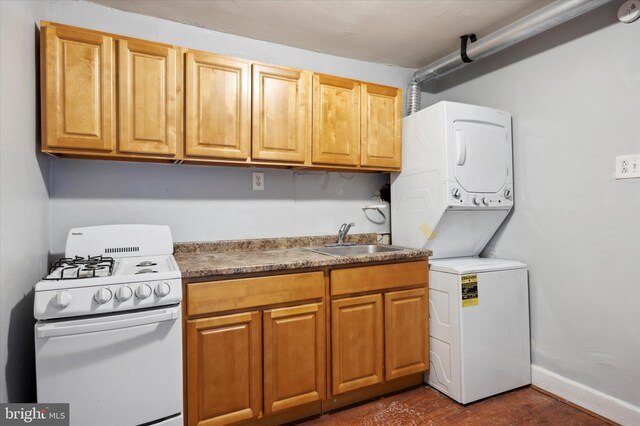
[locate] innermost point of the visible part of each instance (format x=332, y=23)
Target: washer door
x=481, y=156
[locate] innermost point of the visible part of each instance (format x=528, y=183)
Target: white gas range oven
x=109, y=334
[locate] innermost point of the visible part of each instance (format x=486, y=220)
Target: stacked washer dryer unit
x=454, y=191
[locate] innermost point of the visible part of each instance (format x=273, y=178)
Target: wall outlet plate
x=258, y=181
x=628, y=166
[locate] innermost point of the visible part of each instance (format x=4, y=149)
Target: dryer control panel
x=459, y=198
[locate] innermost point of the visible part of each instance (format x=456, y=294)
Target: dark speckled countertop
x=203, y=259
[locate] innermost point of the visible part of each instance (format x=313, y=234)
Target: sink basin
x=354, y=250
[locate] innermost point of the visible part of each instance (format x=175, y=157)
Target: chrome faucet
x=343, y=231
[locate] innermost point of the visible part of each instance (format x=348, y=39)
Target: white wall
x=210, y=203
x=574, y=94
x=24, y=199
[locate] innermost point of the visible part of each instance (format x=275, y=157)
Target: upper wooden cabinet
x=280, y=114
x=336, y=120
x=148, y=98
x=115, y=97
x=217, y=93
x=79, y=73
x=78, y=102
x=381, y=126
x=356, y=124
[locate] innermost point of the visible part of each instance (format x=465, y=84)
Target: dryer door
x=481, y=156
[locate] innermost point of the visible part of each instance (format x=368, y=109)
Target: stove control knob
x=507, y=193
x=476, y=201
x=124, y=293
x=455, y=193
x=143, y=291
x=62, y=299
x=102, y=296
x=162, y=289
x=484, y=201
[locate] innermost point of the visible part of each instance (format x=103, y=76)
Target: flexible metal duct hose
x=413, y=98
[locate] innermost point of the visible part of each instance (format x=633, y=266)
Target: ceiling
x=407, y=33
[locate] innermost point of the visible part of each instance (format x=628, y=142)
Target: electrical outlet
x=258, y=181
x=628, y=166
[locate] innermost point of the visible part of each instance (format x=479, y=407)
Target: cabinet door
x=294, y=357
x=148, y=98
x=336, y=120
x=77, y=90
x=406, y=319
x=281, y=110
x=224, y=369
x=217, y=106
x=356, y=342
x=381, y=126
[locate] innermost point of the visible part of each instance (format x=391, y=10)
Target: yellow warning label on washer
x=469, y=285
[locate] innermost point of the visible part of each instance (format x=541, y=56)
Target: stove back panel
x=119, y=241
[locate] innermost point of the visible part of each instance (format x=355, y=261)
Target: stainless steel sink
x=354, y=250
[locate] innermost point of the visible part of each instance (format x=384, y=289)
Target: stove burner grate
x=80, y=267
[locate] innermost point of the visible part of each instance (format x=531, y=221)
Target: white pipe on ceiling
x=539, y=21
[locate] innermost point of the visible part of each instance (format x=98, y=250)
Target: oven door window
x=123, y=369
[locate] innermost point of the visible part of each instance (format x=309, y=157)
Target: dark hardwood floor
x=426, y=406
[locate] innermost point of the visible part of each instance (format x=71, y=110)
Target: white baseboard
x=600, y=403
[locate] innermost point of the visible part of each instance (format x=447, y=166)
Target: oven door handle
x=110, y=323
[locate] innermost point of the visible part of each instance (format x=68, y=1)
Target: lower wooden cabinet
x=356, y=343
x=360, y=355
x=406, y=332
x=270, y=361
x=224, y=369
x=294, y=357
x=226, y=382
x=359, y=351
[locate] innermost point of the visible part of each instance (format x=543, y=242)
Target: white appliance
x=479, y=327
x=454, y=191
x=109, y=333
x=456, y=185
